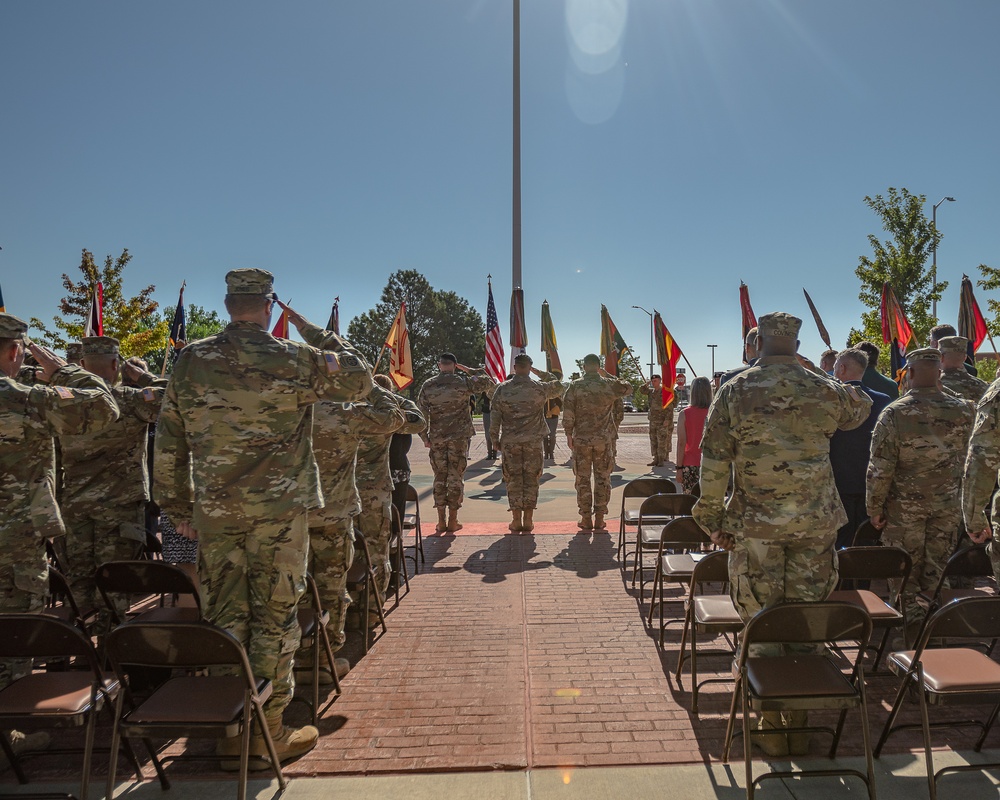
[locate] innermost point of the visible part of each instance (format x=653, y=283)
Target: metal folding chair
x=633, y=493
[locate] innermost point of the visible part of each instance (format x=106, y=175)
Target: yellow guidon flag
x=398, y=345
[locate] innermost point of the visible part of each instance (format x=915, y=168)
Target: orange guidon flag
x=398, y=345
x=667, y=355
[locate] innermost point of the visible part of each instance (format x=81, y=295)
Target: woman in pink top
x=690, y=427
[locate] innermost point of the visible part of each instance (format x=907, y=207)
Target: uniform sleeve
x=381, y=415
x=619, y=387
x=569, y=411
x=336, y=371
x=143, y=404
x=480, y=382
x=425, y=410
x=76, y=402
x=981, y=464
x=855, y=406
x=882, y=465
x=496, y=414
x=172, y=486
x=553, y=389
x=415, y=422
x=718, y=451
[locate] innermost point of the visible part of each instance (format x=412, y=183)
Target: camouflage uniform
x=980, y=478
x=444, y=402
x=963, y=384
x=661, y=423
x=589, y=420
x=234, y=455
x=338, y=429
x=518, y=424
x=914, y=481
x=30, y=416
x=106, y=484
x=770, y=427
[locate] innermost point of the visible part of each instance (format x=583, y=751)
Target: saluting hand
x=49, y=362
x=293, y=316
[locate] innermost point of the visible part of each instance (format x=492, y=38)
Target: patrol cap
x=925, y=355
x=250, y=281
x=954, y=344
x=522, y=359
x=656, y=377
x=12, y=327
x=447, y=358
x=74, y=351
x=591, y=358
x=751, y=337
x=778, y=323
x=100, y=346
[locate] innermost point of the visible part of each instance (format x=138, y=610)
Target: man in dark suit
x=850, y=450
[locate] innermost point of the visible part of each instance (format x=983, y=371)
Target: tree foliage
x=438, y=322
x=199, y=321
x=991, y=282
x=900, y=260
x=131, y=320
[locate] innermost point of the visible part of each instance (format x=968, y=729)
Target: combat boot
x=515, y=523
x=798, y=743
x=25, y=742
x=585, y=523
x=527, y=525
x=599, y=523
x=442, y=524
x=289, y=743
x=774, y=744
x=453, y=523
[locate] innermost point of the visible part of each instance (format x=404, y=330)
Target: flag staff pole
x=167, y=348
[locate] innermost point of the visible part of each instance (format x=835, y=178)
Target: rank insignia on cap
x=332, y=363
x=63, y=392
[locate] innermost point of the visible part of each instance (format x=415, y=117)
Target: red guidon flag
x=280, y=329
x=749, y=319
x=667, y=356
x=398, y=345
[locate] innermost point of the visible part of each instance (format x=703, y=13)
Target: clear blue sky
x=671, y=148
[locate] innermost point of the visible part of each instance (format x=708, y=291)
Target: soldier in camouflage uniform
x=234, y=466
x=980, y=478
x=588, y=420
x=518, y=429
x=915, y=475
x=770, y=427
x=444, y=402
x=105, y=476
x=30, y=418
x=661, y=421
x=954, y=376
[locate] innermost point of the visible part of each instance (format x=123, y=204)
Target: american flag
x=494, y=341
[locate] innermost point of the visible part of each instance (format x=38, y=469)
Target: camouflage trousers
x=24, y=578
x=118, y=534
x=331, y=553
x=597, y=460
x=522, y=470
x=375, y=521
x=252, y=578
x=661, y=434
x=929, y=536
x=448, y=461
x=767, y=572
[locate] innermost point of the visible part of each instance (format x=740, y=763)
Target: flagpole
x=516, y=174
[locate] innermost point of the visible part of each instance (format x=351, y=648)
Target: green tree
x=438, y=322
x=991, y=282
x=199, y=321
x=131, y=320
x=901, y=261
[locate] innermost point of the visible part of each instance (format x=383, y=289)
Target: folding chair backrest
x=684, y=533
x=666, y=505
x=175, y=644
x=808, y=623
x=873, y=563
x=145, y=577
x=59, y=587
x=41, y=636
x=967, y=618
x=969, y=562
x=711, y=568
x=411, y=494
x=646, y=487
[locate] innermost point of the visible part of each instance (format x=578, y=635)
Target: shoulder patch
x=148, y=395
x=63, y=392
x=332, y=362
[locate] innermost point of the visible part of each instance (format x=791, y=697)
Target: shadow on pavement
x=508, y=555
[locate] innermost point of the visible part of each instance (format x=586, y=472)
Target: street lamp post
x=652, y=352
x=934, y=262
x=713, y=346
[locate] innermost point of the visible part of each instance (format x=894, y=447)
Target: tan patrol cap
x=925, y=355
x=954, y=344
x=100, y=346
x=12, y=327
x=250, y=281
x=74, y=351
x=778, y=323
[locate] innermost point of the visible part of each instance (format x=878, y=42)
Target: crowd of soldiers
x=772, y=443
x=274, y=454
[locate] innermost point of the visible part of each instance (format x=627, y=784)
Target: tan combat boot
x=453, y=523
x=527, y=524
x=515, y=523
x=585, y=523
x=289, y=743
x=774, y=744
x=599, y=523
x=798, y=743
x=442, y=524
x=304, y=672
